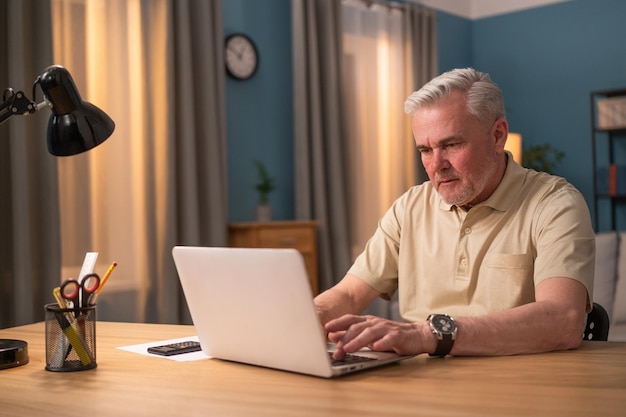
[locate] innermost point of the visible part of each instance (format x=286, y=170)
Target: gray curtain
x=321, y=156
x=319, y=132
x=29, y=228
x=421, y=24
x=196, y=211
x=197, y=87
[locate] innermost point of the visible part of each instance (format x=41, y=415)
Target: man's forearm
x=548, y=324
x=332, y=304
x=350, y=296
x=555, y=321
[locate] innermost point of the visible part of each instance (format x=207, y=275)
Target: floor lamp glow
x=514, y=145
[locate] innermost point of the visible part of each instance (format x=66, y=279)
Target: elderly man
x=488, y=258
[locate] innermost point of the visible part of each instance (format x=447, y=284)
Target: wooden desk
x=300, y=235
x=590, y=381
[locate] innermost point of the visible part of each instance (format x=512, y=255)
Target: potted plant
x=265, y=186
x=542, y=158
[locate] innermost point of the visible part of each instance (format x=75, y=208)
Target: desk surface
x=590, y=381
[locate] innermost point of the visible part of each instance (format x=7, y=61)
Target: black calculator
x=175, y=348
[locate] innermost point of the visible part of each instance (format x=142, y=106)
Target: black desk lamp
x=75, y=125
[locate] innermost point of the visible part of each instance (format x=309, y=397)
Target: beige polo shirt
x=443, y=259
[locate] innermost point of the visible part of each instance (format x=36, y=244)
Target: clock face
x=241, y=57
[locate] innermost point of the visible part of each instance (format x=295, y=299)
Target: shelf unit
x=608, y=128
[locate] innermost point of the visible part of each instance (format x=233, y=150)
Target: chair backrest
x=597, y=327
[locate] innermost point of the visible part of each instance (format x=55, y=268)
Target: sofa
x=609, y=288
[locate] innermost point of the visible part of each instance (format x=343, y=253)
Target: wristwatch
x=444, y=327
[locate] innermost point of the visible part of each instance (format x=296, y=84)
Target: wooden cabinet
x=300, y=235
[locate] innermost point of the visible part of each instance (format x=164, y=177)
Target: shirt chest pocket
x=509, y=281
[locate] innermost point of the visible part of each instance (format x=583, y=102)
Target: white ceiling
x=477, y=9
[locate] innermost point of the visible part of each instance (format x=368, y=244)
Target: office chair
x=597, y=327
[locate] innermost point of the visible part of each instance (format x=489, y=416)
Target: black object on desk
x=175, y=348
x=13, y=353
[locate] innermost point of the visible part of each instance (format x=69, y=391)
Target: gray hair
x=483, y=97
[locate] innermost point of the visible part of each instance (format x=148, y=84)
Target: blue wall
x=259, y=110
x=454, y=37
x=546, y=60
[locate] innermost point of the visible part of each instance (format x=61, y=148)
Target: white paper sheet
x=142, y=349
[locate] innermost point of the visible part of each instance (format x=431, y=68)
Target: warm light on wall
x=514, y=145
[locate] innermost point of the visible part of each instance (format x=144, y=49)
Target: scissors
x=79, y=293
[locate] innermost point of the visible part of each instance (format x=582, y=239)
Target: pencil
x=106, y=276
x=61, y=302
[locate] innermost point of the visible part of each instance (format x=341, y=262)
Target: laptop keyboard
x=348, y=359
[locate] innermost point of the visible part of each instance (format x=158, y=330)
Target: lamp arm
x=16, y=103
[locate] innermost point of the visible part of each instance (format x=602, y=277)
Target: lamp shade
x=75, y=125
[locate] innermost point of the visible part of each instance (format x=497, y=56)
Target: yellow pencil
x=106, y=276
x=61, y=302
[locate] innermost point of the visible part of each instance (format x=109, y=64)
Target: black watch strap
x=444, y=346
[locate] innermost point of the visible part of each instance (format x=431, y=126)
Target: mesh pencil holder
x=70, y=338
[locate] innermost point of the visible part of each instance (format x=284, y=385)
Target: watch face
x=444, y=324
x=241, y=56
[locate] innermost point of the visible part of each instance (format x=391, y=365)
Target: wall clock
x=241, y=56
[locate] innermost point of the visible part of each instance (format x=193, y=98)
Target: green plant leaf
x=266, y=183
x=542, y=158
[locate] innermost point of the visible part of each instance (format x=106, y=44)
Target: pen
x=107, y=274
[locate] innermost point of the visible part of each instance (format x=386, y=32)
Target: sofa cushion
x=607, y=244
x=617, y=332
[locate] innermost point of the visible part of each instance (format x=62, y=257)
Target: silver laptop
x=255, y=306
